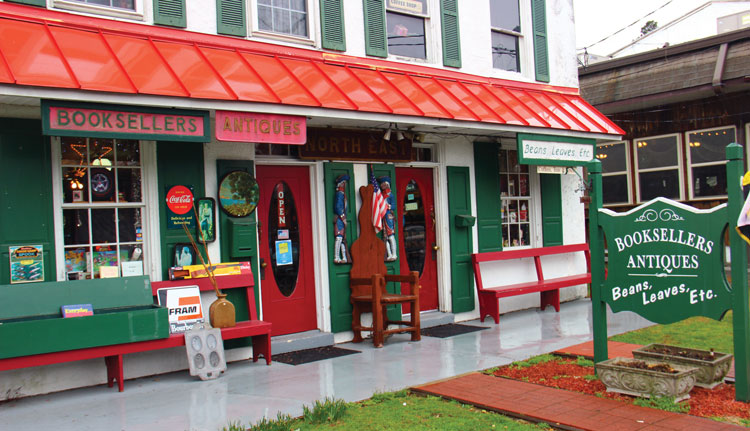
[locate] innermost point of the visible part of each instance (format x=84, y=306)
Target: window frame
x=149, y=213
x=313, y=14
x=680, y=166
x=533, y=207
x=428, y=37
x=94, y=9
x=689, y=165
x=520, y=40
x=626, y=172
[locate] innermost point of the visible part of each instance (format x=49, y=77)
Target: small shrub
x=540, y=359
x=583, y=362
x=281, y=423
x=663, y=403
x=590, y=377
x=234, y=426
x=328, y=411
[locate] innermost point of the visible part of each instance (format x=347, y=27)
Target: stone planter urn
x=620, y=375
x=712, y=366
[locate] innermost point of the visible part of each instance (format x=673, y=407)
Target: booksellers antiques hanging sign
x=329, y=144
x=666, y=261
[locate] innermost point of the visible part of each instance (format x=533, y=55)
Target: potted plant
x=646, y=378
x=712, y=366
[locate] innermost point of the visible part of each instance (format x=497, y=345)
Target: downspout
x=719, y=69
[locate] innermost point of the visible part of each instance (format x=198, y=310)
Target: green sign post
x=666, y=263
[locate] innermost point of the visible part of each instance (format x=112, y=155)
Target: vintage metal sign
x=180, y=207
x=665, y=261
x=114, y=121
x=554, y=150
x=326, y=144
x=260, y=128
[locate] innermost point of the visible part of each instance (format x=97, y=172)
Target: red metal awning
x=45, y=48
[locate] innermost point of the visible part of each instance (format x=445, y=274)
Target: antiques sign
x=327, y=144
x=666, y=261
x=554, y=150
x=260, y=128
x=115, y=121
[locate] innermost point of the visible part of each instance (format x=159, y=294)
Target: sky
x=597, y=19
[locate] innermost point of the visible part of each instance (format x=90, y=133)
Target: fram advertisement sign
x=183, y=307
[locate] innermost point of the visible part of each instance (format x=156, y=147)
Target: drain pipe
x=719, y=69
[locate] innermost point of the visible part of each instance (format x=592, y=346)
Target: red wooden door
x=287, y=273
x=416, y=213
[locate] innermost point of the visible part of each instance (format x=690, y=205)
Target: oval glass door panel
x=415, y=243
x=283, y=238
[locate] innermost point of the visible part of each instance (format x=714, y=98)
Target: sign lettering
x=354, y=145
x=665, y=261
x=260, y=128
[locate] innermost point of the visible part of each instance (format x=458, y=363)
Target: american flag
x=379, y=205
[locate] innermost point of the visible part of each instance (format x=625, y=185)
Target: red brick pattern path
x=556, y=406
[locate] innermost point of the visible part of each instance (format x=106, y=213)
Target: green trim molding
x=549, y=150
x=97, y=120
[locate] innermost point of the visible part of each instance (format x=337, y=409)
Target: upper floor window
x=658, y=168
x=283, y=16
x=706, y=157
x=505, y=19
x=615, y=167
x=116, y=8
x=406, y=28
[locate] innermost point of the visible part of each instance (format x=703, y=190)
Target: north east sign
x=666, y=261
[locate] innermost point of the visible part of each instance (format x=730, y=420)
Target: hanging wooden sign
x=329, y=144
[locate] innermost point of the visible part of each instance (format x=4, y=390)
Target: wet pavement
x=250, y=391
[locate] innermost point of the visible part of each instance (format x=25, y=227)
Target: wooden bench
x=258, y=331
x=489, y=291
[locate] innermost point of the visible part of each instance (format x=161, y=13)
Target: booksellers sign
x=129, y=122
x=665, y=261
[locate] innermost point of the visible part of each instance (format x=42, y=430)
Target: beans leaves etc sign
x=666, y=261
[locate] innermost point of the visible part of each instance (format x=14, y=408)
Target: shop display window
x=615, y=166
x=283, y=16
x=505, y=20
x=658, y=168
x=516, y=201
x=103, y=207
x=706, y=159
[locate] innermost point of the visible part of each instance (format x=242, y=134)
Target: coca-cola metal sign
x=180, y=207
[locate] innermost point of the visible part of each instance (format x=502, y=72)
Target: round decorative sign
x=179, y=199
x=238, y=194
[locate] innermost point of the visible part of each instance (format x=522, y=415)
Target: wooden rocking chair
x=368, y=278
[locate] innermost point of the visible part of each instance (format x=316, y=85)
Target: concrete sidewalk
x=248, y=392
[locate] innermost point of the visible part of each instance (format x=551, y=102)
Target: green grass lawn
x=695, y=333
x=396, y=411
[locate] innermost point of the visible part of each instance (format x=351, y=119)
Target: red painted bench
x=259, y=331
x=489, y=291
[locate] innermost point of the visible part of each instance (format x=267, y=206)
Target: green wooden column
x=596, y=246
x=741, y=328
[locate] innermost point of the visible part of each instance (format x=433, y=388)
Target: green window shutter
x=42, y=3
x=376, y=43
x=338, y=274
x=459, y=203
x=451, y=36
x=26, y=193
x=541, y=57
x=230, y=17
x=487, y=180
x=552, y=221
x=170, y=12
x=332, y=24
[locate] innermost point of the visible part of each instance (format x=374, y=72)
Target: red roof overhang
x=46, y=48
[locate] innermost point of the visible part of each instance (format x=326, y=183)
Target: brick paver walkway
x=556, y=406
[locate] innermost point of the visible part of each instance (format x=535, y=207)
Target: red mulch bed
x=566, y=374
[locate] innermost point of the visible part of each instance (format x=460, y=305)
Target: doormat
x=449, y=330
x=311, y=355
